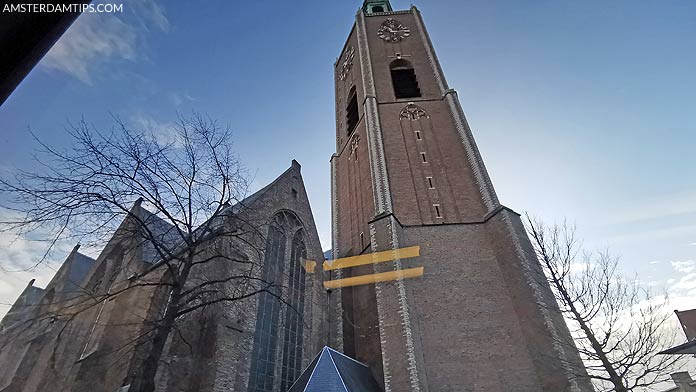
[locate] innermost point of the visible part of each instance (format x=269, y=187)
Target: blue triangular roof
x=332, y=371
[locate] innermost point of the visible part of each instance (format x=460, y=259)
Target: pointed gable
x=69, y=280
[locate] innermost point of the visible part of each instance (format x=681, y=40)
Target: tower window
x=404, y=79
x=430, y=182
x=352, y=111
x=438, y=213
x=373, y=6
x=423, y=158
x=418, y=135
x=362, y=241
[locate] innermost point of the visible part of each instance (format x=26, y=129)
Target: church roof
x=684, y=348
x=332, y=371
x=687, y=319
x=23, y=306
x=249, y=200
x=72, y=273
x=169, y=236
x=164, y=233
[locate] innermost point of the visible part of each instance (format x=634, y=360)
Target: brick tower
x=407, y=172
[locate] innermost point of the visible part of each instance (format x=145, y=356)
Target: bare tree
x=618, y=325
x=190, y=183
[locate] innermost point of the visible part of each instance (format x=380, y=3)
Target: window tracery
x=269, y=357
x=413, y=112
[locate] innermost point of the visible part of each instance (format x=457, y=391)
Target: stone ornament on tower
x=412, y=112
x=347, y=62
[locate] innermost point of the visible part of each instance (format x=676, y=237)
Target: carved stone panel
x=412, y=112
x=347, y=62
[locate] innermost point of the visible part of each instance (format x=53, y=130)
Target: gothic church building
x=478, y=316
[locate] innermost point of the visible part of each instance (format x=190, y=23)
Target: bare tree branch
x=619, y=326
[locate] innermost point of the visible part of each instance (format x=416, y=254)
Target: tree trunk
x=145, y=380
x=614, y=377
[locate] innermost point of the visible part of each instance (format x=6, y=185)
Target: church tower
x=407, y=172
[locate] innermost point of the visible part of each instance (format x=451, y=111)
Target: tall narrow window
x=430, y=182
x=292, y=343
x=352, y=111
x=277, y=349
x=263, y=356
x=404, y=79
x=418, y=135
x=423, y=158
x=362, y=241
x=438, y=213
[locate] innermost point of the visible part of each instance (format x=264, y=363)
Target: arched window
x=374, y=6
x=265, y=352
x=404, y=79
x=292, y=343
x=352, y=111
x=267, y=315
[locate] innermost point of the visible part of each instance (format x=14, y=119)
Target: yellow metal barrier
x=374, y=278
x=372, y=258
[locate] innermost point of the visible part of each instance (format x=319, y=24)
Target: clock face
x=347, y=62
x=393, y=31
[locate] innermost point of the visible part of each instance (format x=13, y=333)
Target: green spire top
x=374, y=6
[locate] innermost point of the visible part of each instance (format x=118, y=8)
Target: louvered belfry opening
x=352, y=116
x=404, y=79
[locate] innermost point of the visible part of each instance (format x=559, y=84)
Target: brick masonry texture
x=482, y=318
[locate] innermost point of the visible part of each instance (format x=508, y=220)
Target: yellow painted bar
x=309, y=266
x=372, y=258
x=374, y=278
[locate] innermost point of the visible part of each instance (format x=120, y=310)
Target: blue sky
x=581, y=110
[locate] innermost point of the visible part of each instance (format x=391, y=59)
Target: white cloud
x=682, y=289
x=162, y=132
x=91, y=40
x=684, y=267
x=23, y=258
x=180, y=98
x=151, y=14
x=18, y=265
x=686, y=284
x=96, y=39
